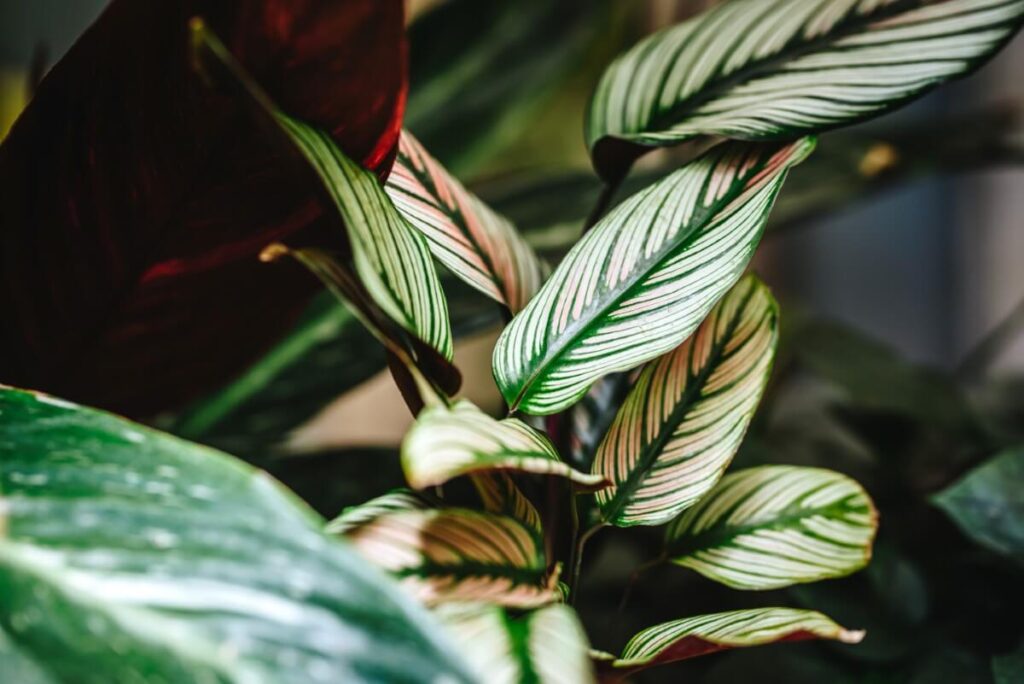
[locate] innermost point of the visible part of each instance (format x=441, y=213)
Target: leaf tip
x=851, y=636
x=273, y=252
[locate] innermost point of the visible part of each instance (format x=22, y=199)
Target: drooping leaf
x=137, y=199
x=704, y=634
x=475, y=243
x=765, y=70
x=130, y=555
x=394, y=501
x=459, y=554
x=643, y=279
x=545, y=646
x=773, y=526
x=988, y=503
x=687, y=413
x=447, y=442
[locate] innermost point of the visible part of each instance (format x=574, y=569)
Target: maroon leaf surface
x=134, y=200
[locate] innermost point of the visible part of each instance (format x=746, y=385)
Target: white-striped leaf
x=457, y=554
x=478, y=245
x=446, y=442
x=688, y=411
x=394, y=501
x=773, y=526
x=704, y=634
x=500, y=494
x=544, y=646
x=644, y=277
x=391, y=257
x=771, y=69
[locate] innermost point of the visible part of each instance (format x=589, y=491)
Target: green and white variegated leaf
x=391, y=258
x=773, y=526
x=704, y=634
x=544, y=646
x=458, y=554
x=644, y=277
x=446, y=442
x=771, y=69
x=394, y=501
x=500, y=494
x=687, y=413
x=478, y=245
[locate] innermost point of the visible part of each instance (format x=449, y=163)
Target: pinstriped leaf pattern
x=391, y=258
x=644, y=277
x=686, y=414
x=478, y=245
x=773, y=526
x=704, y=634
x=771, y=69
x=500, y=494
x=446, y=442
x=394, y=501
x=546, y=646
x=458, y=554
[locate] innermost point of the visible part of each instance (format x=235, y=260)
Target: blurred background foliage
x=895, y=252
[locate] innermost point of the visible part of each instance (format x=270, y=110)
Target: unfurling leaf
x=446, y=442
x=688, y=411
x=644, y=278
x=394, y=501
x=773, y=526
x=776, y=69
x=457, y=554
x=704, y=634
x=475, y=243
x=128, y=555
x=545, y=646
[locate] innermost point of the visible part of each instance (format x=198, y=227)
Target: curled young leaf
x=776, y=69
x=687, y=413
x=773, y=526
x=642, y=280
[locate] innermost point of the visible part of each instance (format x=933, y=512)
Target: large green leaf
x=544, y=646
x=771, y=69
x=643, y=279
x=988, y=503
x=130, y=555
x=687, y=413
x=772, y=526
x=446, y=442
x=475, y=243
x=458, y=554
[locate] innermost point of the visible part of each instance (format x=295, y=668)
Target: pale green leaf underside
x=546, y=646
x=771, y=69
x=130, y=555
x=644, y=277
x=687, y=413
x=773, y=526
x=475, y=243
x=458, y=554
x=446, y=442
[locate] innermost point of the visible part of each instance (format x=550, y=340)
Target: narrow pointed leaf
x=475, y=243
x=687, y=413
x=128, y=555
x=704, y=634
x=500, y=494
x=773, y=526
x=545, y=646
x=771, y=69
x=394, y=501
x=459, y=555
x=446, y=442
x=642, y=280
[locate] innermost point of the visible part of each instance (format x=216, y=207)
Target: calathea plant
x=129, y=554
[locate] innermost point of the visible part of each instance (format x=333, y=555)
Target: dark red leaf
x=134, y=200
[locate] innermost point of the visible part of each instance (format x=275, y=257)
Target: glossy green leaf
x=475, y=243
x=988, y=503
x=544, y=646
x=644, y=278
x=687, y=413
x=773, y=526
x=395, y=501
x=446, y=442
x=771, y=69
x=458, y=554
x=130, y=555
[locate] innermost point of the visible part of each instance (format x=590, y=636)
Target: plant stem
x=608, y=191
x=576, y=562
x=987, y=351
